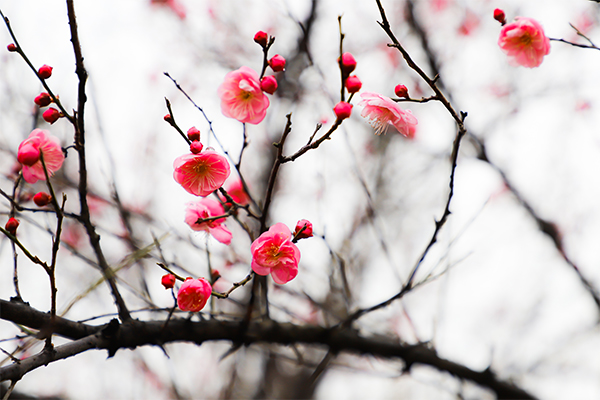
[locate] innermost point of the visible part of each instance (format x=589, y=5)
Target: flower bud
x=261, y=38
x=193, y=134
x=51, y=115
x=11, y=47
x=28, y=154
x=196, y=147
x=215, y=275
x=307, y=232
x=342, y=110
x=268, y=84
x=277, y=63
x=41, y=199
x=168, y=281
x=401, y=91
x=168, y=118
x=43, y=99
x=11, y=226
x=45, y=71
x=348, y=63
x=500, y=16
x=353, y=84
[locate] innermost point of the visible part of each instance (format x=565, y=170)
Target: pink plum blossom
x=274, y=253
x=39, y=141
x=242, y=97
x=235, y=189
x=193, y=294
x=304, y=229
x=383, y=112
x=524, y=42
x=201, y=174
x=206, y=208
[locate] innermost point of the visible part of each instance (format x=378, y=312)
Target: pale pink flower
x=206, y=208
x=39, y=141
x=193, y=294
x=235, y=189
x=524, y=42
x=274, y=253
x=242, y=97
x=201, y=174
x=383, y=112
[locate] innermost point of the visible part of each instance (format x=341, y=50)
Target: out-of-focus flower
x=42, y=199
x=383, y=112
x=168, y=281
x=307, y=232
x=268, y=84
x=51, y=115
x=41, y=141
x=235, y=189
x=274, y=253
x=277, y=63
x=206, y=208
x=45, y=71
x=348, y=63
x=193, y=134
x=193, y=294
x=401, y=91
x=11, y=226
x=201, y=174
x=261, y=38
x=342, y=110
x=242, y=97
x=524, y=42
x=174, y=5
x=353, y=84
x=43, y=99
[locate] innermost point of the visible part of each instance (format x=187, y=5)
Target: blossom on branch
x=274, y=253
x=39, y=141
x=193, y=294
x=242, y=97
x=206, y=208
x=524, y=42
x=383, y=112
x=201, y=174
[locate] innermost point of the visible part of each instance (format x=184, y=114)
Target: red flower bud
x=11, y=47
x=168, y=118
x=277, y=63
x=41, y=199
x=268, y=84
x=51, y=115
x=196, y=147
x=401, y=91
x=261, y=38
x=28, y=154
x=306, y=233
x=348, y=63
x=215, y=275
x=11, y=226
x=168, y=281
x=43, y=99
x=499, y=16
x=353, y=84
x=342, y=110
x=193, y=134
x=45, y=71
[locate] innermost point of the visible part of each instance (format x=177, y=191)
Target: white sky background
x=510, y=301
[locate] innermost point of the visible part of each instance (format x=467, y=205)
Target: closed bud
x=261, y=38
x=342, y=110
x=11, y=47
x=353, y=84
x=348, y=63
x=168, y=118
x=277, y=63
x=11, y=226
x=196, y=147
x=43, y=99
x=41, y=199
x=168, y=281
x=500, y=16
x=45, y=71
x=304, y=229
x=51, y=115
x=401, y=91
x=28, y=154
x=268, y=84
x=193, y=134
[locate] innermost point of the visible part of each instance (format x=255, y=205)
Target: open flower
x=383, y=112
x=206, y=208
x=39, y=141
x=274, y=253
x=524, y=42
x=193, y=294
x=242, y=97
x=201, y=174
